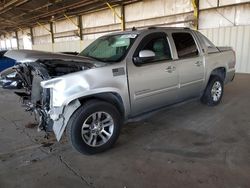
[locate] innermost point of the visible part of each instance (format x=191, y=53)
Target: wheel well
x=110, y=97
x=221, y=72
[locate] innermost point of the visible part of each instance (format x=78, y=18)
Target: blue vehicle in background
x=5, y=62
x=9, y=78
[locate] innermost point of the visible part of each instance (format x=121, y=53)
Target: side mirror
x=212, y=49
x=144, y=56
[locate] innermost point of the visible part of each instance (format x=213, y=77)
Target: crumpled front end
x=60, y=117
x=61, y=89
x=44, y=102
x=34, y=98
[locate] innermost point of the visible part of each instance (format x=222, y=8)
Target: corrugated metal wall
x=228, y=26
x=237, y=37
x=141, y=14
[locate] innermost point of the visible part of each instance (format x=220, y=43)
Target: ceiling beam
x=43, y=15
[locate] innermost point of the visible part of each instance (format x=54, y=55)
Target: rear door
x=154, y=83
x=191, y=64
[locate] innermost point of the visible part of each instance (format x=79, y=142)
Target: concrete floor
x=189, y=145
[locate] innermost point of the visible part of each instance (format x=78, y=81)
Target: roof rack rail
x=155, y=27
x=152, y=27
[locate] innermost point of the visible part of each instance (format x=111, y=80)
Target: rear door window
x=185, y=45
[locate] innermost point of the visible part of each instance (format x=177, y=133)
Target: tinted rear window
x=185, y=45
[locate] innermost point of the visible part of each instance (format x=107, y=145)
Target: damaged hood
x=33, y=56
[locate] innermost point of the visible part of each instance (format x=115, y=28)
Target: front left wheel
x=94, y=127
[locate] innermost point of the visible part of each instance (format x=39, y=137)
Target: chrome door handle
x=170, y=69
x=198, y=63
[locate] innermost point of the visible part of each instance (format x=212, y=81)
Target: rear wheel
x=94, y=127
x=214, y=91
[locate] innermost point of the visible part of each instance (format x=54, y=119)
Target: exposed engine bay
x=37, y=99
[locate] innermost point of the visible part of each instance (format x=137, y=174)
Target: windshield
x=110, y=48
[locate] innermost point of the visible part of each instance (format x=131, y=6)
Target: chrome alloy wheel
x=216, y=91
x=97, y=129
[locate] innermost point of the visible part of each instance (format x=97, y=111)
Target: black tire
x=74, y=126
x=207, y=97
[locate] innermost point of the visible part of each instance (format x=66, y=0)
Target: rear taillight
x=234, y=58
x=232, y=63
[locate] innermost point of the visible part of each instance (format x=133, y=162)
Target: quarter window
x=207, y=42
x=185, y=45
x=211, y=48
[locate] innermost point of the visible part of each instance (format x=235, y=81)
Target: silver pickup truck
x=117, y=77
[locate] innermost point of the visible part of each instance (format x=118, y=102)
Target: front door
x=153, y=83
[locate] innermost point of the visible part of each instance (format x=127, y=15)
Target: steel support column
x=218, y=3
x=5, y=42
x=121, y=18
x=123, y=23
x=195, y=4
x=31, y=36
x=78, y=24
x=80, y=27
x=17, y=40
x=52, y=32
